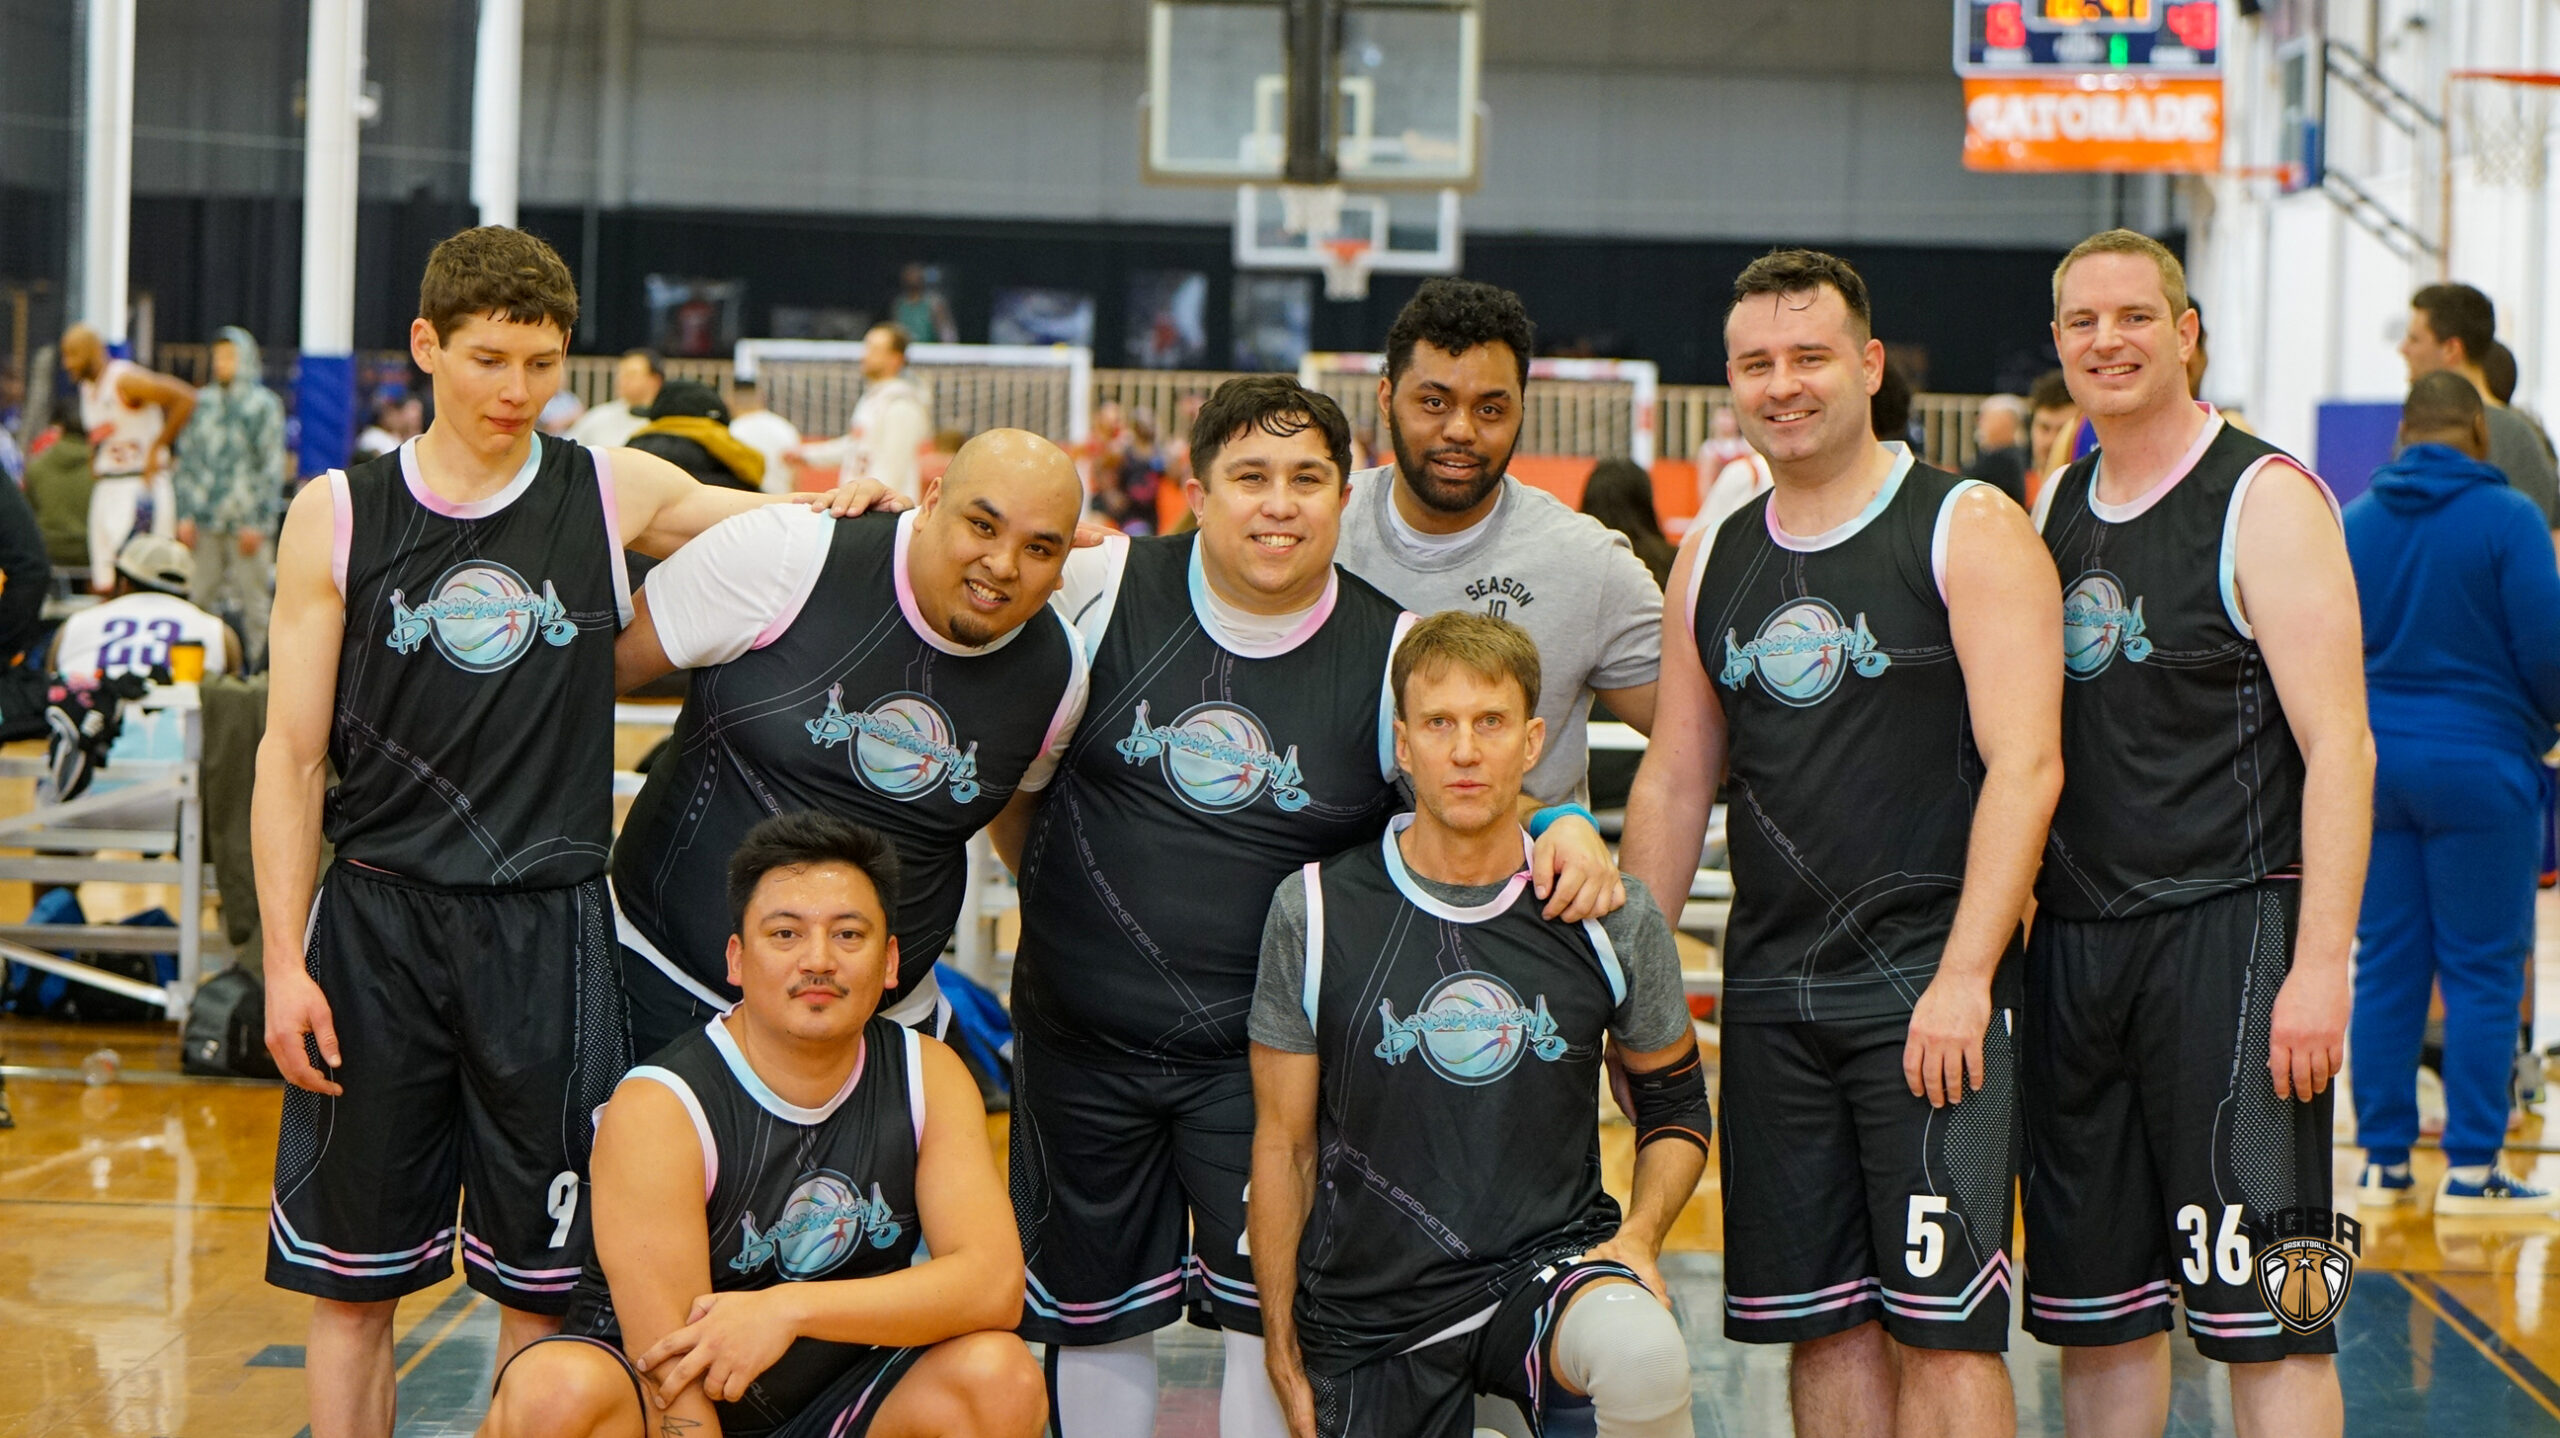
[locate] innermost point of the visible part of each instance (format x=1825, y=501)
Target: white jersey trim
x=1312, y=975
x=1414, y=894
x=2135, y=508
x=1848, y=529
x=1938, y=533
x=631, y=938
x=2230, y=558
x=774, y=1103
x=613, y=536
x=915, y=1082
x=342, y=529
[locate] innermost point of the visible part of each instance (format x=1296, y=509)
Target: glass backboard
x=1405, y=76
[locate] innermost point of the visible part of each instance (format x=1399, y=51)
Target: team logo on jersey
x=1471, y=1029
x=1218, y=758
x=1802, y=653
x=2098, y=623
x=2306, y=1263
x=826, y=1220
x=901, y=746
x=482, y=616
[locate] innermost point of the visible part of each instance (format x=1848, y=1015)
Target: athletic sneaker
x=2378, y=1186
x=2499, y=1193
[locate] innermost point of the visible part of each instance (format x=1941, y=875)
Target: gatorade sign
x=2120, y=123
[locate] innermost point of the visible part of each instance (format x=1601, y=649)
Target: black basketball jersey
x=1852, y=769
x=2181, y=779
x=473, y=737
x=859, y=709
x=1460, y=1050
x=1198, y=780
x=790, y=1194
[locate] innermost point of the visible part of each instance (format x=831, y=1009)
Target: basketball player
x=1445, y=527
x=1865, y=654
x=799, y=1229
x=442, y=639
x=903, y=670
x=132, y=416
x=2187, y=978
x=1428, y=1222
x=1240, y=727
x=144, y=614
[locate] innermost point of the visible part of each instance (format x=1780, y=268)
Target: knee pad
x=1618, y=1344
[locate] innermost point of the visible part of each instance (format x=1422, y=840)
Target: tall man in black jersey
x=2187, y=987
x=1865, y=655
x=799, y=1230
x=904, y=670
x=1428, y=1222
x=1240, y=725
x=446, y=1006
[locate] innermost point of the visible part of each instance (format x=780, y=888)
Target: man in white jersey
x=132, y=416
x=890, y=423
x=144, y=615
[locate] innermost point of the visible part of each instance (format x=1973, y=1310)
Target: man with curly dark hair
x=1445, y=527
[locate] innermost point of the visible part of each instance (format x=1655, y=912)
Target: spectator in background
x=231, y=473
x=26, y=575
x=13, y=394
x=2451, y=327
x=1889, y=408
x=2197, y=363
x=133, y=416
x=1620, y=495
x=1736, y=485
x=57, y=489
x=763, y=431
x=398, y=417
x=561, y=414
x=2000, y=446
x=937, y=460
x=145, y=613
x=2461, y=611
x=920, y=308
x=636, y=382
x=2053, y=423
x=2498, y=371
x=1723, y=445
x=890, y=423
x=689, y=428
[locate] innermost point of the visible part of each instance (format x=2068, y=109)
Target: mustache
x=817, y=985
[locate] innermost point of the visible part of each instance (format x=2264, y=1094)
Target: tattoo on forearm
x=672, y=1426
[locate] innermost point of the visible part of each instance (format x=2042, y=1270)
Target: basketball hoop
x=1346, y=269
x=2503, y=122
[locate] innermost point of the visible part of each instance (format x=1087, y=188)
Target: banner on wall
x=2102, y=122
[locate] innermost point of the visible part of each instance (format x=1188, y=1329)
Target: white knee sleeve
x=1247, y=1408
x=1618, y=1344
x=1105, y=1391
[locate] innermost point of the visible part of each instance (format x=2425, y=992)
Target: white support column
x=325, y=388
x=106, y=170
x=497, y=104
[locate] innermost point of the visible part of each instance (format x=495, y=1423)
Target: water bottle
x=100, y=1068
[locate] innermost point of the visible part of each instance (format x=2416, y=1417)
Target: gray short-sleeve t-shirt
x=1568, y=579
x=1654, y=1015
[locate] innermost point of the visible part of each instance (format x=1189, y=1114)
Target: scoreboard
x=2062, y=37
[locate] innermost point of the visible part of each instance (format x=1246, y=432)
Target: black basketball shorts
x=844, y=1408
x=1430, y=1391
x=2156, y=1146
x=1129, y=1190
x=479, y=1029
x=1848, y=1199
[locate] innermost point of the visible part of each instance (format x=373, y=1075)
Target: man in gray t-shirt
x=2454, y=326
x=2518, y=449
x=1445, y=527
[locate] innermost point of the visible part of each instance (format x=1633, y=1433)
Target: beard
x=970, y=628
x=1445, y=496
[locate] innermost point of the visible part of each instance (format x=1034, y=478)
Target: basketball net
x=2506, y=124
x=1346, y=269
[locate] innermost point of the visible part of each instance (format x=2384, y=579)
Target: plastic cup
x=101, y=1068
x=186, y=662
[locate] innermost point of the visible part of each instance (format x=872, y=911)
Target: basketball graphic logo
x=1470, y=1029
x=2098, y=624
x=2305, y=1281
x=824, y=1222
x=1803, y=652
x=1217, y=758
x=903, y=745
x=482, y=616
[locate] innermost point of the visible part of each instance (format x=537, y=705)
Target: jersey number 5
x=1928, y=1241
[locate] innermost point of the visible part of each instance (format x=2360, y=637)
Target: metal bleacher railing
x=1577, y=419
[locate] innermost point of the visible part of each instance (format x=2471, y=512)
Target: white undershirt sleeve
x=739, y=584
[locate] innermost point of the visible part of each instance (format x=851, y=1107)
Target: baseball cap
x=155, y=562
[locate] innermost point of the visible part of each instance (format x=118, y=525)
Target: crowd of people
x=1324, y=960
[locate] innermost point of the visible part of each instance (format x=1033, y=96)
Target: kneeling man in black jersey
x=831, y=1149
x=1426, y=1219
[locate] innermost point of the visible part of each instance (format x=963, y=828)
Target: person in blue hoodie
x=2461, y=604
